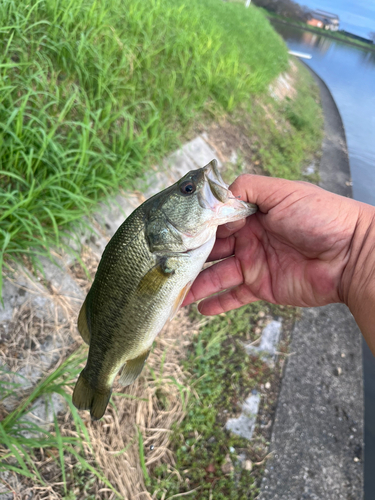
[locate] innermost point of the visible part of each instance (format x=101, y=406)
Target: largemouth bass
x=143, y=277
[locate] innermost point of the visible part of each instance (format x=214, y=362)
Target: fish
x=144, y=274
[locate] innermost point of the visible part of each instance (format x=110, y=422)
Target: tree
x=284, y=8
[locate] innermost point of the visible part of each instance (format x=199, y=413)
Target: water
x=349, y=73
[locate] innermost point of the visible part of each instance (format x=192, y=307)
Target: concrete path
x=317, y=439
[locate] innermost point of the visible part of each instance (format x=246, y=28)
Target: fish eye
x=188, y=187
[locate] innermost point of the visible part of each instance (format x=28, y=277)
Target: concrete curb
x=317, y=438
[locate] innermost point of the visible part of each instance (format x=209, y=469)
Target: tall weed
x=92, y=93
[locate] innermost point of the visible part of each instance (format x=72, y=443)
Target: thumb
x=267, y=192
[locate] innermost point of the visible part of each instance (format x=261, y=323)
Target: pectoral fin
x=158, y=275
x=132, y=369
x=83, y=327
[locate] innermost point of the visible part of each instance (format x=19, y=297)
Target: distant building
x=315, y=22
x=322, y=19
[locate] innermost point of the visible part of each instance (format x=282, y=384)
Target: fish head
x=186, y=215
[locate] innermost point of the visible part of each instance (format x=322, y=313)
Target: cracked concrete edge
x=244, y=425
x=269, y=341
x=317, y=437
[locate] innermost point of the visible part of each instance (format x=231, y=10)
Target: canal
x=349, y=72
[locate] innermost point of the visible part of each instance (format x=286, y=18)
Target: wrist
x=357, y=288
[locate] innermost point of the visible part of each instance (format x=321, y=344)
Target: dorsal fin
x=83, y=327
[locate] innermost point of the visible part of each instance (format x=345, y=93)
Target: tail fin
x=86, y=397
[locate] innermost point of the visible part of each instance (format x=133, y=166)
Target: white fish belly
x=191, y=265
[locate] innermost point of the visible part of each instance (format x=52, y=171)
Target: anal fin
x=83, y=327
x=132, y=369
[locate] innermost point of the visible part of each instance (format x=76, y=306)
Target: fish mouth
x=217, y=187
x=216, y=196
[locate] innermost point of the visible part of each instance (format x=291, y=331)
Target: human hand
x=301, y=248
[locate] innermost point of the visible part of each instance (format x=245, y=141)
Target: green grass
x=250, y=38
x=92, y=93
x=297, y=136
x=23, y=441
x=285, y=135
x=222, y=376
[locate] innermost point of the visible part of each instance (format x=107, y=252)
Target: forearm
x=358, y=283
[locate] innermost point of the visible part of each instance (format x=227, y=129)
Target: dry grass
x=42, y=329
x=134, y=435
